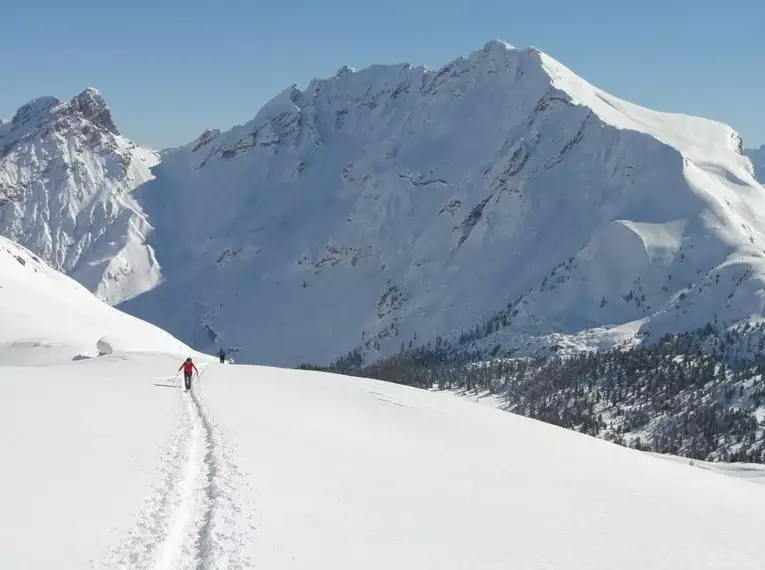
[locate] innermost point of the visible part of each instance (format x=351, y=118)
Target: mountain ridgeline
x=396, y=205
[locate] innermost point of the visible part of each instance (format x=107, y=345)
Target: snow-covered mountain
x=65, y=178
x=400, y=204
x=500, y=199
x=757, y=155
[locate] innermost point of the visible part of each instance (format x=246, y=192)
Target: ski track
x=193, y=518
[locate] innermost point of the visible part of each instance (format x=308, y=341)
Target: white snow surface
x=399, y=204
x=48, y=317
x=65, y=180
x=114, y=467
x=109, y=464
x=753, y=472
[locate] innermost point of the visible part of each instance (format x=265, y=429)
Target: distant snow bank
x=752, y=472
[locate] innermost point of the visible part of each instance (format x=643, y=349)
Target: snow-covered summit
x=65, y=180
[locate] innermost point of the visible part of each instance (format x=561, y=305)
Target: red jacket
x=188, y=367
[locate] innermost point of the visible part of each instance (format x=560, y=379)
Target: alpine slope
x=109, y=464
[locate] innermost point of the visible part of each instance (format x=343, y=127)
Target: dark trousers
x=222, y=359
x=187, y=380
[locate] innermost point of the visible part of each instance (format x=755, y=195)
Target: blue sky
x=170, y=69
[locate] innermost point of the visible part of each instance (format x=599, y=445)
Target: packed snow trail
x=174, y=548
x=225, y=524
x=190, y=519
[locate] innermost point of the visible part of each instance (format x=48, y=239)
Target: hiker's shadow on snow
x=166, y=385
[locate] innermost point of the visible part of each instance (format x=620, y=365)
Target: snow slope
x=348, y=473
x=48, y=317
x=82, y=438
x=399, y=204
x=277, y=468
x=65, y=178
x=110, y=465
x=753, y=472
x=83, y=444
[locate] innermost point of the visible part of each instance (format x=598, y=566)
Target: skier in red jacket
x=188, y=368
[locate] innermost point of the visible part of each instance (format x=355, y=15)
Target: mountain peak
x=344, y=69
x=92, y=106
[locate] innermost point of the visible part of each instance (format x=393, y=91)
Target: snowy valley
x=114, y=466
x=500, y=200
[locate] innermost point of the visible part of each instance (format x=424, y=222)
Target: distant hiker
x=222, y=356
x=188, y=368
